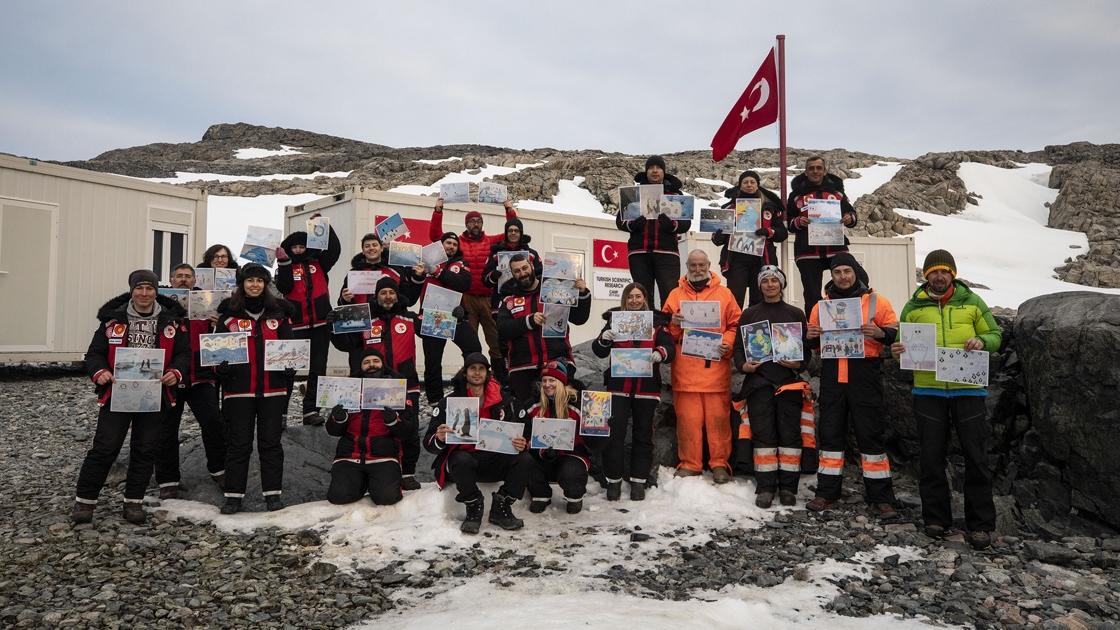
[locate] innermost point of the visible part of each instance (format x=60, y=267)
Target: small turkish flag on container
x=756, y=108
x=610, y=254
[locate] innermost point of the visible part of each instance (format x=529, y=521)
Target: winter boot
x=637, y=491
x=501, y=513
x=231, y=506
x=473, y=520
x=764, y=499
x=312, y=418
x=614, y=490
x=408, y=482
x=684, y=472
x=885, y=512
x=785, y=497
x=273, y=502
x=819, y=504
x=82, y=512
x=980, y=540
x=537, y=506
x=575, y=506
x=169, y=492
x=934, y=531
x=134, y=513
x=721, y=475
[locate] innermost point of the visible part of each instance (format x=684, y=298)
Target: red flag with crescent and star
x=755, y=109
x=610, y=254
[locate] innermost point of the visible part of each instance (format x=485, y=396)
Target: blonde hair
x=564, y=394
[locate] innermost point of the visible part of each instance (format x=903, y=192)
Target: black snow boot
x=231, y=506
x=273, y=502
x=501, y=513
x=637, y=491
x=614, y=490
x=575, y=506
x=475, y=509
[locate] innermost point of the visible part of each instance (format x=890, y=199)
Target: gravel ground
x=175, y=573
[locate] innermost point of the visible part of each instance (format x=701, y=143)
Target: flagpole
x=782, y=114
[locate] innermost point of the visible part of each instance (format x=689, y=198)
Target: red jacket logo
x=244, y=324
x=169, y=332
x=519, y=301
x=375, y=331
x=400, y=328
x=117, y=330
x=311, y=268
x=456, y=268
x=272, y=324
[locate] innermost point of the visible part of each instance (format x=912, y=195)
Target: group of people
x=767, y=427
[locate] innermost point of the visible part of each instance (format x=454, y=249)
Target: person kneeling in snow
x=466, y=466
x=368, y=457
x=567, y=468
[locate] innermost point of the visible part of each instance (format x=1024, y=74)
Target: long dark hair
x=208, y=256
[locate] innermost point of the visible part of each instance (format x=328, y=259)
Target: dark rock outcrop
x=1089, y=202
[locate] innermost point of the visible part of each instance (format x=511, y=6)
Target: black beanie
x=449, y=235
x=142, y=276
x=939, y=259
x=386, y=282
x=295, y=238
x=844, y=259
x=517, y=222
x=655, y=160
x=753, y=174
x=254, y=270
x=373, y=352
x=475, y=358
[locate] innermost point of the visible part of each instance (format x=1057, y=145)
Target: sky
x=888, y=77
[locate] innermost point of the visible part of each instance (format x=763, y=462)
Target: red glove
x=281, y=253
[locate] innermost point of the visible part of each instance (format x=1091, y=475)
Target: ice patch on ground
x=425, y=524
x=572, y=602
x=1003, y=243
x=252, y=153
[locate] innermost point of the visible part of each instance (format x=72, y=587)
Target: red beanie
x=474, y=214
x=556, y=370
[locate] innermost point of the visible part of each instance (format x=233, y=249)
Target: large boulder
x=1068, y=344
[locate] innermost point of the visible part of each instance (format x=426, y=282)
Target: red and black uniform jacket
x=491, y=276
x=654, y=235
x=368, y=436
x=112, y=333
x=662, y=342
x=474, y=250
x=524, y=346
x=580, y=448
x=772, y=220
x=801, y=192
x=359, y=263
x=453, y=274
x=494, y=405
x=251, y=380
x=199, y=374
x=303, y=281
x=393, y=333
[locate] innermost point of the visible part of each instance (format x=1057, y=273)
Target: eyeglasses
x=220, y=257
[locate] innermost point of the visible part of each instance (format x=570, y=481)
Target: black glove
x=223, y=372
x=718, y=233
x=549, y=453
x=332, y=316
x=665, y=222
x=459, y=312
x=389, y=416
x=289, y=372
x=338, y=414
x=762, y=232
x=639, y=223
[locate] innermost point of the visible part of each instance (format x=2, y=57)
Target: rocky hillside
x=1086, y=175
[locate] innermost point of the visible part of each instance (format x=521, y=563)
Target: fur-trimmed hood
x=830, y=182
x=116, y=308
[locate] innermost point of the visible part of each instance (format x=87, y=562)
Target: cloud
x=640, y=77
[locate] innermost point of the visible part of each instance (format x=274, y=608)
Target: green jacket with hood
x=963, y=317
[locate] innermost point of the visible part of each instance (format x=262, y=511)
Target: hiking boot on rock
x=501, y=513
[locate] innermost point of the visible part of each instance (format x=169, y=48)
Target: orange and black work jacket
x=170, y=333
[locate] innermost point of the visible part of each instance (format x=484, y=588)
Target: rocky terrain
x=178, y=573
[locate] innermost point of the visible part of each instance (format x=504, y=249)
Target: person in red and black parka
x=475, y=245
x=254, y=400
x=138, y=319
x=393, y=334
x=200, y=392
x=465, y=466
x=515, y=241
x=569, y=469
x=453, y=274
x=368, y=457
x=653, y=253
x=371, y=258
x=813, y=260
x=634, y=398
x=301, y=276
x=741, y=270
x=520, y=326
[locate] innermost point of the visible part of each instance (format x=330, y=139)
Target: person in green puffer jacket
x=963, y=320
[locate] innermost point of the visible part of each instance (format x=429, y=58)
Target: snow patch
x=439, y=161
x=1003, y=243
x=712, y=182
x=483, y=173
x=252, y=154
x=870, y=178
x=571, y=198
x=183, y=177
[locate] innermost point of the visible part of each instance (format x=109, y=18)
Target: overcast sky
x=891, y=77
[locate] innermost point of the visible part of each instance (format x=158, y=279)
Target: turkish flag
x=756, y=108
x=610, y=254
x=417, y=230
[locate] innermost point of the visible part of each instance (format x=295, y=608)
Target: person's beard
x=387, y=307
x=526, y=282
x=474, y=231
x=374, y=373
